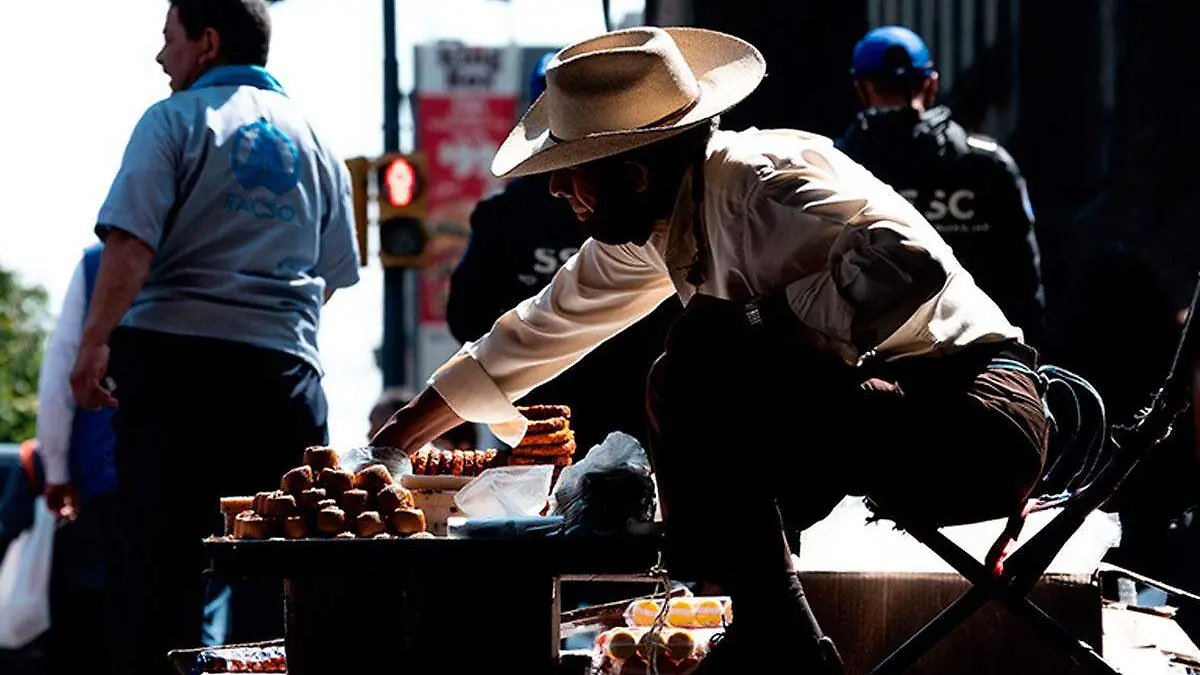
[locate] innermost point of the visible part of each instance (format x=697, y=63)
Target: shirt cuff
x=57, y=471
x=473, y=395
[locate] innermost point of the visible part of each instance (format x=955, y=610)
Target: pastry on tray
x=408, y=521
x=297, y=480
x=320, y=457
x=373, y=478
x=335, y=481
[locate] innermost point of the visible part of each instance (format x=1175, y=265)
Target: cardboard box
x=439, y=507
x=870, y=614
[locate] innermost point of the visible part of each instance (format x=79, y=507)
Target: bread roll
x=251, y=526
x=295, y=527
x=297, y=480
x=335, y=481
x=235, y=505
x=331, y=520
x=231, y=507
x=369, y=524
x=354, y=502
x=320, y=457
x=280, y=506
x=260, y=501
x=373, y=478
x=394, y=497
x=309, y=499
x=326, y=503
x=408, y=521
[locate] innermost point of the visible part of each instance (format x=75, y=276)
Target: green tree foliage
x=23, y=320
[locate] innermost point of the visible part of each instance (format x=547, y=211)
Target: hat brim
x=727, y=70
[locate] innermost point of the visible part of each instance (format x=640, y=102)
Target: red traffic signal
x=399, y=182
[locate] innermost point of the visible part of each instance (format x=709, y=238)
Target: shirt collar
x=251, y=76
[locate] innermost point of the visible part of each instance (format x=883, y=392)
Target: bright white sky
x=79, y=73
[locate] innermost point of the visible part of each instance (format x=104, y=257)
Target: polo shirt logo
x=264, y=156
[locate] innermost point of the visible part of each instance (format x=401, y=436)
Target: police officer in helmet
x=965, y=184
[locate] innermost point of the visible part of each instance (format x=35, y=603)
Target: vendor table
x=427, y=605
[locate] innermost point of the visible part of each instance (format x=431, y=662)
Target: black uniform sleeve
x=1018, y=243
x=476, y=299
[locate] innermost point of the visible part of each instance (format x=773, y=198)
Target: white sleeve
x=56, y=404
x=598, y=293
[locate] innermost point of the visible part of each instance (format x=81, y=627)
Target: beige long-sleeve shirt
x=783, y=211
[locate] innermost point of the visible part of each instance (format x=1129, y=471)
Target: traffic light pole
x=394, y=361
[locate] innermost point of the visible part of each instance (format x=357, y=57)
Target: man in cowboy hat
x=831, y=344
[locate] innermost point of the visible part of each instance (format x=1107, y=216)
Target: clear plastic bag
x=25, y=582
x=396, y=460
x=506, y=492
x=606, y=491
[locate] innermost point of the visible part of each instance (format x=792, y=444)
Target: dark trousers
x=198, y=419
x=752, y=433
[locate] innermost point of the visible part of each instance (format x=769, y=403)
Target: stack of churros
x=549, y=438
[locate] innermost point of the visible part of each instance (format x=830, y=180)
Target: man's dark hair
x=244, y=27
x=899, y=77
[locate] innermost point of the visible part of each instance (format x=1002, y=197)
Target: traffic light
x=360, y=169
x=400, y=194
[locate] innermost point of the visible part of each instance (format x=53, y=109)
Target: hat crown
x=618, y=81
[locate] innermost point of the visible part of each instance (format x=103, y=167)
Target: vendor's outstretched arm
x=425, y=418
x=598, y=293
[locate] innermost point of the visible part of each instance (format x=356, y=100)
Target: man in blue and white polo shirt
x=227, y=227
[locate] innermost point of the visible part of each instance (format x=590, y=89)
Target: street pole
x=395, y=336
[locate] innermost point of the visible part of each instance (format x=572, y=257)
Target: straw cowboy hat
x=626, y=89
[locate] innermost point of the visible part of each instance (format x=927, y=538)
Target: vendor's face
x=609, y=198
x=182, y=58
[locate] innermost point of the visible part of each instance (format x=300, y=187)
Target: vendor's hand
x=60, y=499
x=424, y=419
x=91, y=366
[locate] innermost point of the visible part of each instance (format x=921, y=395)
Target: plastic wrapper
x=630, y=650
x=506, y=492
x=265, y=659
x=608, y=490
x=682, y=612
x=394, y=459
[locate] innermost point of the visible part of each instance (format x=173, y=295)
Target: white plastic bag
x=25, y=582
x=506, y=492
x=609, y=491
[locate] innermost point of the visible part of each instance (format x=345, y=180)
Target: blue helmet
x=537, y=78
x=890, y=50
